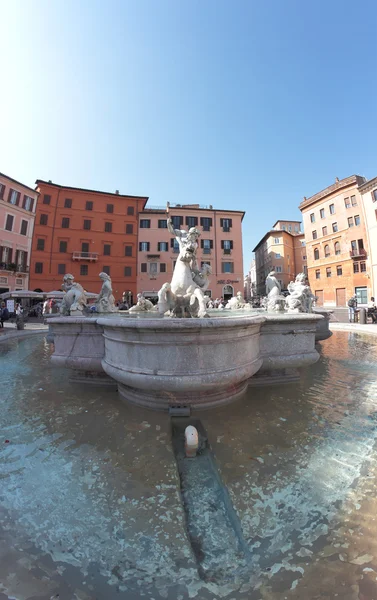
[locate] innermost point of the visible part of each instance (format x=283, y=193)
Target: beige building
x=282, y=250
x=220, y=246
x=368, y=191
x=337, y=243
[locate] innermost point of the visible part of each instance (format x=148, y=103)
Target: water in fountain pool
x=90, y=504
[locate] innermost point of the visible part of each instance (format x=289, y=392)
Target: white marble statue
x=275, y=301
x=184, y=296
x=237, y=302
x=300, y=297
x=105, y=302
x=74, y=300
x=142, y=305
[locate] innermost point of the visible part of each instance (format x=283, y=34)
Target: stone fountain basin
x=199, y=363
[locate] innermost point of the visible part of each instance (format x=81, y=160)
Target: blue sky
x=244, y=105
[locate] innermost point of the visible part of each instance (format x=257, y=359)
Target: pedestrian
x=4, y=314
x=352, y=305
x=372, y=310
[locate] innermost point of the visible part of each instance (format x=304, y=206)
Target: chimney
x=304, y=198
x=117, y=192
x=336, y=179
x=49, y=181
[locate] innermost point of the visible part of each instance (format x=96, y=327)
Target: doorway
x=340, y=296
x=228, y=292
x=319, y=294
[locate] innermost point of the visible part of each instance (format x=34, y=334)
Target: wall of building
x=369, y=199
x=109, y=245
x=334, y=226
x=155, y=265
x=17, y=201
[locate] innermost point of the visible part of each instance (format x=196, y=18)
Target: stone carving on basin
x=142, y=305
x=300, y=297
x=105, y=302
x=74, y=300
x=184, y=296
x=275, y=300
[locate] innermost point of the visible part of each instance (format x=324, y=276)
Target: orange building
x=282, y=249
x=84, y=232
x=336, y=243
x=220, y=246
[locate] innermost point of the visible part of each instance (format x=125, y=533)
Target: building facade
x=282, y=249
x=368, y=191
x=18, y=204
x=84, y=232
x=220, y=246
x=336, y=243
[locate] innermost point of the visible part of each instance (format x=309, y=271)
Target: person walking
x=372, y=310
x=352, y=305
x=4, y=314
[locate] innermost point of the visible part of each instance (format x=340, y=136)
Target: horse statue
x=74, y=299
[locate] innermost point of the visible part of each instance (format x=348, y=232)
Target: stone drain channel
x=213, y=527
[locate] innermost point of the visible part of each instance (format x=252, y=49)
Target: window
x=322, y=213
x=355, y=267
x=335, y=227
x=43, y=219
x=127, y=271
x=318, y=274
x=227, y=246
x=324, y=230
x=191, y=221
x=46, y=200
x=61, y=269
x=297, y=228
x=130, y=210
x=361, y=293
x=314, y=233
x=162, y=246
x=316, y=254
x=374, y=195
x=27, y=203
x=62, y=246
x=40, y=244
x=278, y=269
x=207, y=245
x=177, y=222
x=128, y=251
x=85, y=248
x=24, y=224
x=350, y=222
x=290, y=228
x=174, y=245
x=312, y=218
x=108, y=227
x=162, y=267
x=9, y=223
x=327, y=250
x=14, y=197
x=277, y=241
x=332, y=209
x=83, y=269
x=107, y=249
x=153, y=269
x=144, y=246
x=110, y=208
x=87, y=224
x=106, y=269
x=68, y=203
x=129, y=228
x=304, y=257
x=357, y=220
x=277, y=255
x=339, y=271
x=38, y=267
x=227, y=267
x=328, y=272
x=226, y=224
x=89, y=205
x=353, y=201
x=2, y=190
x=145, y=223
x=143, y=267
x=347, y=202
x=283, y=228
x=363, y=267
x=206, y=223
x=65, y=223
x=337, y=248
x=303, y=243
x=162, y=224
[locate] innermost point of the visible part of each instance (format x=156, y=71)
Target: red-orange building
x=84, y=232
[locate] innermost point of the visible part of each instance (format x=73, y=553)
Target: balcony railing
x=91, y=256
x=6, y=266
x=358, y=253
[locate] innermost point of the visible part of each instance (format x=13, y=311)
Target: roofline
x=68, y=187
x=286, y=221
x=19, y=183
x=161, y=211
x=272, y=231
x=338, y=185
x=368, y=185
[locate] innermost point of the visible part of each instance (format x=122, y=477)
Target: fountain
x=182, y=355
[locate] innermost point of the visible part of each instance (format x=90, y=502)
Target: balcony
x=5, y=266
x=90, y=256
x=358, y=253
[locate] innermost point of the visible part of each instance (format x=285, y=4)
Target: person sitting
x=372, y=310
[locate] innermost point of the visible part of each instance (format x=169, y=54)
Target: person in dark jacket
x=4, y=314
